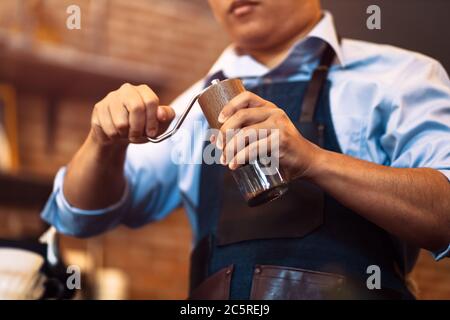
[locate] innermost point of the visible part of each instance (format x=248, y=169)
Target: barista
x=364, y=137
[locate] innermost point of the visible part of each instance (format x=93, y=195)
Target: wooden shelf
x=63, y=71
x=24, y=191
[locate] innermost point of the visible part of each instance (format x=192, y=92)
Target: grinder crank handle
x=212, y=100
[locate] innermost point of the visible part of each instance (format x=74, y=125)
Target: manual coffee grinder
x=257, y=184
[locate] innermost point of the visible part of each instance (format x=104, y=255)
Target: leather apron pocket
x=284, y=283
x=298, y=213
x=215, y=287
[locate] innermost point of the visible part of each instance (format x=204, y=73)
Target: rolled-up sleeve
x=418, y=130
x=151, y=193
x=73, y=221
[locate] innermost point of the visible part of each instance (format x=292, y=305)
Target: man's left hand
x=248, y=115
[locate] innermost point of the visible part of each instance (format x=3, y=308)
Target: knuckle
x=110, y=95
x=136, y=107
x=153, y=98
x=247, y=95
x=271, y=105
x=278, y=112
x=153, y=103
x=94, y=122
x=114, y=135
x=97, y=106
x=279, y=116
x=111, y=133
x=122, y=126
x=126, y=85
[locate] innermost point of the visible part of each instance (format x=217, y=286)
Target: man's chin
x=253, y=42
x=251, y=36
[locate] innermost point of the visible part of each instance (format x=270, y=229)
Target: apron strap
x=316, y=84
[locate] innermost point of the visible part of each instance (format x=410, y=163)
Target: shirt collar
x=310, y=47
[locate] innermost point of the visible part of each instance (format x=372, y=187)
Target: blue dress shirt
x=389, y=106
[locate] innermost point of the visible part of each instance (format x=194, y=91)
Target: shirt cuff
x=67, y=206
x=73, y=221
x=442, y=254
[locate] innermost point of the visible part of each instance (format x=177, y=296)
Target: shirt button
x=257, y=270
x=228, y=272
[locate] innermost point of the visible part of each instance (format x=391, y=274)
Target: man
x=369, y=182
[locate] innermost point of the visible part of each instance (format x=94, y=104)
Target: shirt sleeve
x=150, y=194
x=418, y=130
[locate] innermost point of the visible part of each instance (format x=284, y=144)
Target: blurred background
x=50, y=78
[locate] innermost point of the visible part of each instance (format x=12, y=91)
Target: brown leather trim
x=200, y=258
x=215, y=287
x=284, y=283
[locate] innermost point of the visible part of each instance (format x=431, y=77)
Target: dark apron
x=305, y=245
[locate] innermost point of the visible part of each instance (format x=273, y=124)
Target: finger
x=244, y=100
x=96, y=126
x=225, y=136
x=245, y=137
x=165, y=115
x=106, y=122
x=252, y=152
x=133, y=102
x=151, y=102
x=245, y=117
x=119, y=115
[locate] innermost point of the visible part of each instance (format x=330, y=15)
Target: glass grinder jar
x=255, y=182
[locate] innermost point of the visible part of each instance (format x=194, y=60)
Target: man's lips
x=242, y=7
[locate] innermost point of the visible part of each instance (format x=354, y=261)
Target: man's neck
x=275, y=55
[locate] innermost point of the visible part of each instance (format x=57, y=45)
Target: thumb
x=165, y=115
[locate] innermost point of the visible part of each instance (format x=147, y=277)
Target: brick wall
x=154, y=258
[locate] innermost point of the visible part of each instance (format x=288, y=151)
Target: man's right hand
x=95, y=177
x=129, y=114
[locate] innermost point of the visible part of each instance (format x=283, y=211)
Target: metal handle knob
x=178, y=124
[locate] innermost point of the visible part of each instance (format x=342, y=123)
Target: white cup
x=20, y=276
